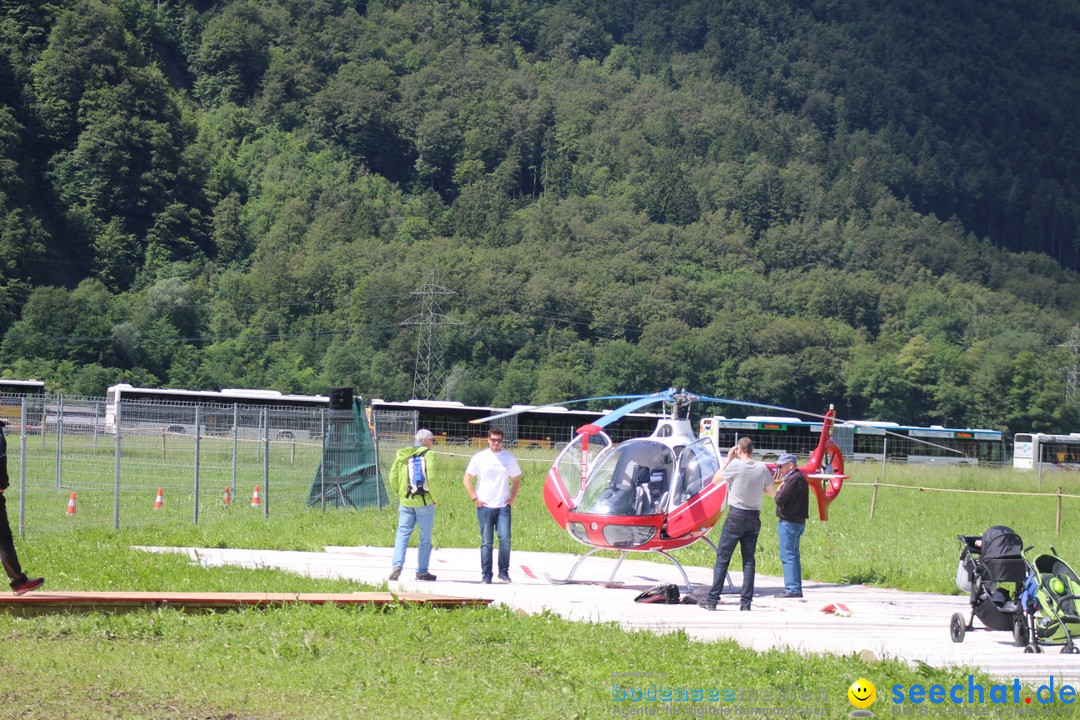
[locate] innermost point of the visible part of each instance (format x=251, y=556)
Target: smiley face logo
x=862, y=693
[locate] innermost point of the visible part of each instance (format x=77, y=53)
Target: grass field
x=304, y=662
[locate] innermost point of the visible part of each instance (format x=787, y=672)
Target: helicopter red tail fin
x=825, y=470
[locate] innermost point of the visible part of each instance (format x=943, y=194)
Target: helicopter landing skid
x=569, y=579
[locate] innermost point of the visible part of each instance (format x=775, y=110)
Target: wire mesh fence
x=141, y=462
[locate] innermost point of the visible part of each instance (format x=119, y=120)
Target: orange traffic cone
x=256, y=501
x=228, y=498
x=71, y=505
x=158, y=501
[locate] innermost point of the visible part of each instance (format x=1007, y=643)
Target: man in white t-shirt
x=498, y=479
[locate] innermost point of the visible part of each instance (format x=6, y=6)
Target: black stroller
x=987, y=563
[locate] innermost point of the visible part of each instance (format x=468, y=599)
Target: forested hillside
x=870, y=204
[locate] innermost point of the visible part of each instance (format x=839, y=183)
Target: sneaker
x=395, y=573
x=787, y=594
x=504, y=577
x=744, y=608
x=425, y=576
x=27, y=585
x=486, y=580
x=706, y=604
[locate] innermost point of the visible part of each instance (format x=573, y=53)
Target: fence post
x=235, y=430
x=378, y=469
x=873, y=499
x=97, y=407
x=198, y=445
x=884, y=456
x=116, y=481
x=59, y=441
x=1057, y=523
x=266, y=466
x=322, y=461
x=22, y=470
x=378, y=457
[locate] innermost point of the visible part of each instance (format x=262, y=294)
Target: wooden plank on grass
x=68, y=601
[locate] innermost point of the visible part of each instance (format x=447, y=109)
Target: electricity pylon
x=428, y=375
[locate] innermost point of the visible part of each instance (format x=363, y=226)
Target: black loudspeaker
x=341, y=398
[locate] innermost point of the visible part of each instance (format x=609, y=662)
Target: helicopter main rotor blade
x=621, y=412
x=747, y=403
x=528, y=408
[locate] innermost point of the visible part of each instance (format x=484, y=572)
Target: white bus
x=163, y=410
x=1060, y=452
x=12, y=395
x=871, y=439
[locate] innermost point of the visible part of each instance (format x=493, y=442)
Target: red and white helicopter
x=655, y=494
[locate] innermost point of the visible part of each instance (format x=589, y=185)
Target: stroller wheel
x=1020, y=631
x=957, y=628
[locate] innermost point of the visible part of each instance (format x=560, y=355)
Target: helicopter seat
x=651, y=490
x=618, y=497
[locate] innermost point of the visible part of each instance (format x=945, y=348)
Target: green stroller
x=1051, y=601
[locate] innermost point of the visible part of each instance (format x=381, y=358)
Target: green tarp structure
x=348, y=475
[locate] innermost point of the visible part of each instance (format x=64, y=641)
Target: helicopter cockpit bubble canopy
x=634, y=478
x=647, y=477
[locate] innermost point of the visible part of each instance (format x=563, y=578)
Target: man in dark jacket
x=792, y=508
x=20, y=583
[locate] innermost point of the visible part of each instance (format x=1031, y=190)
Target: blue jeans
x=494, y=521
x=741, y=527
x=409, y=517
x=790, y=533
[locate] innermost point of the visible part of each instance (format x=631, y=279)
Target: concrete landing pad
x=888, y=623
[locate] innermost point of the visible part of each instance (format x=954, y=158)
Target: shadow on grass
x=864, y=577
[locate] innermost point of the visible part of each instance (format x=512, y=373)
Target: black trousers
x=7, y=547
x=8, y=556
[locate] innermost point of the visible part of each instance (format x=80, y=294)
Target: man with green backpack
x=410, y=477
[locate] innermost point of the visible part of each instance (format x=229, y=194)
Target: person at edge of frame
x=20, y=582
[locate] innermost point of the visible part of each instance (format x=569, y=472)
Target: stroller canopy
x=1000, y=542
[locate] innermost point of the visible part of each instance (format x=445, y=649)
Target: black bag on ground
x=665, y=594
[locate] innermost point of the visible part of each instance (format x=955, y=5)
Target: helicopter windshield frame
x=568, y=463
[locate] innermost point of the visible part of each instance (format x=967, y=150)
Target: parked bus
x=1053, y=451
x=12, y=394
x=537, y=428
x=870, y=440
x=251, y=412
